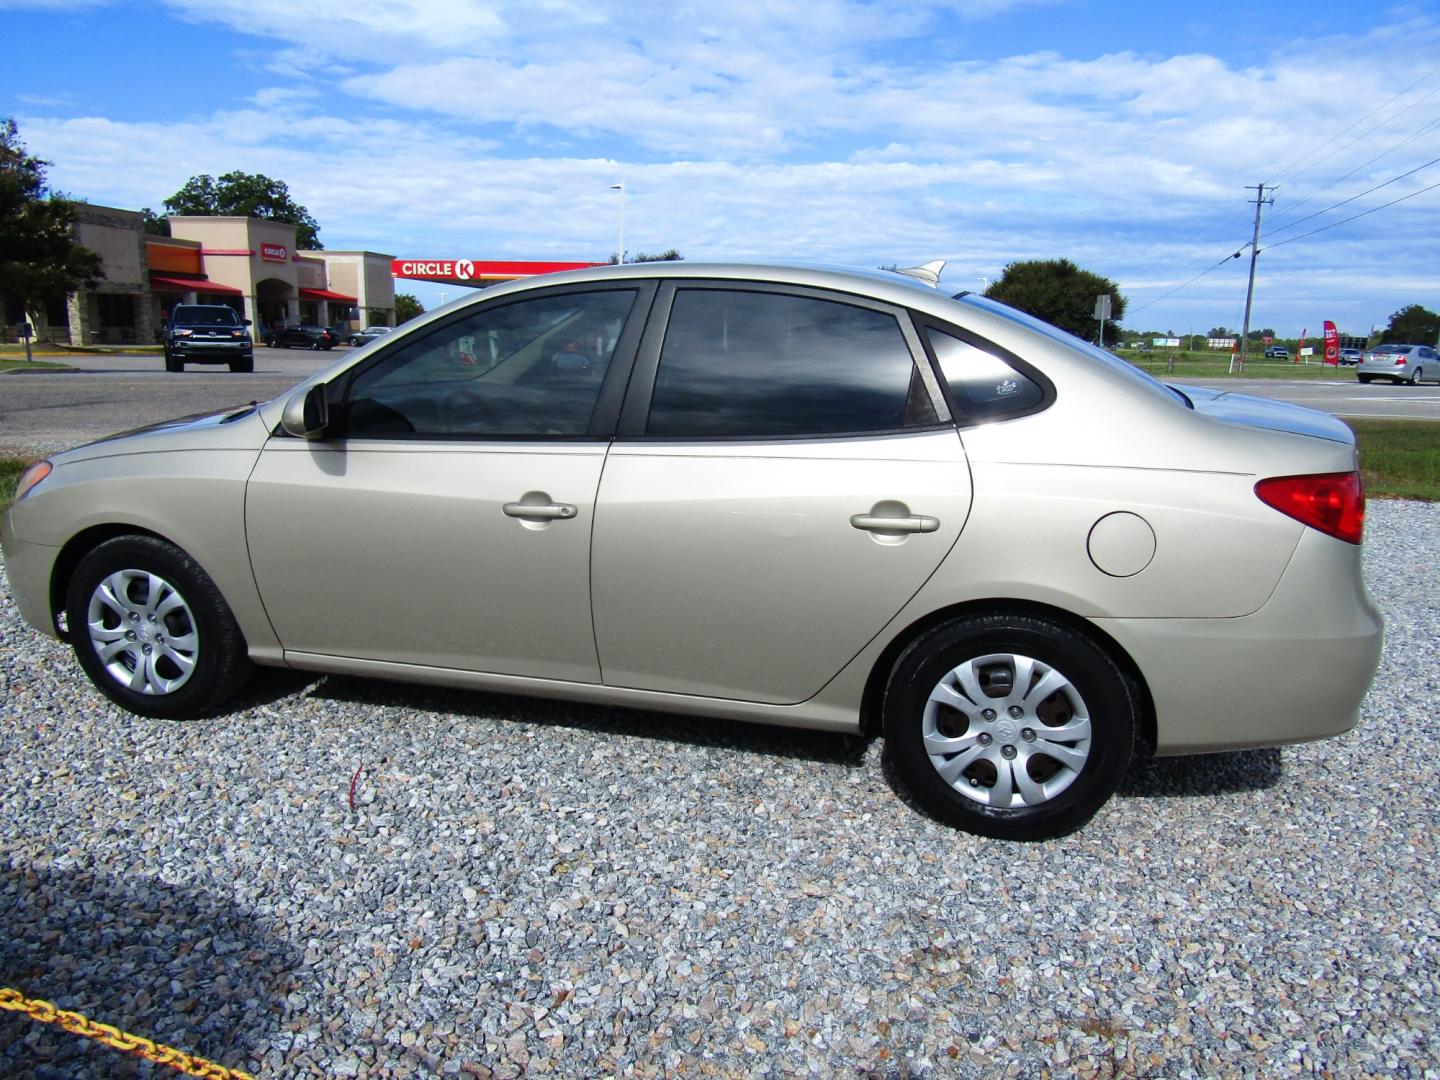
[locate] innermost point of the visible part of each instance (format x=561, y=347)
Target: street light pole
x=620, y=187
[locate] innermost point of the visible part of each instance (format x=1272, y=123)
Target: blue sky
x=1120, y=135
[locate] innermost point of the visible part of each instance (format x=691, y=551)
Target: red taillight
x=1400, y=361
x=1334, y=503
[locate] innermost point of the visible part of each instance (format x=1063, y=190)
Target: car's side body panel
x=734, y=570
x=403, y=552
x=193, y=497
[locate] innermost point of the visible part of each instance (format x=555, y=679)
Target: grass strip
x=1399, y=458
x=8, y=364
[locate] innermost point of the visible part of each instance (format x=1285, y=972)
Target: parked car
x=1400, y=364
x=1350, y=357
x=303, y=337
x=793, y=495
x=369, y=334
x=207, y=334
x=1277, y=352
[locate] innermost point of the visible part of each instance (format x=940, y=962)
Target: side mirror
x=307, y=413
x=245, y=321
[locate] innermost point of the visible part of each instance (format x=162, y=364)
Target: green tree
x=407, y=307
x=669, y=255
x=39, y=258
x=154, y=224
x=1412, y=325
x=1059, y=292
x=239, y=194
x=1221, y=331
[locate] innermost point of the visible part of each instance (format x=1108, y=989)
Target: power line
x=1197, y=277
x=1424, y=129
x=1287, y=176
x=1352, y=198
x=1356, y=217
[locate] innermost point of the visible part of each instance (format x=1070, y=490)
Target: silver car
x=835, y=500
x=1400, y=363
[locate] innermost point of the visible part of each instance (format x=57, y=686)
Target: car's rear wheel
x=1010, y=726
x=1417, y=375
x=152, y=631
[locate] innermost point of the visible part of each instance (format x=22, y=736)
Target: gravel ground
x=528, y=888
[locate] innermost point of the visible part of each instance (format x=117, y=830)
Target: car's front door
x=788, y=486
x=444, y=520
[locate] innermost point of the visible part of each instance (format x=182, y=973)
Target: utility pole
x=1260, y=200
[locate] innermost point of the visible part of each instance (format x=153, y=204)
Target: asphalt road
x=44, y=413
x=41, y=414
x=1341, y=396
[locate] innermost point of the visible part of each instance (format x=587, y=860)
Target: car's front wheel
x=242, y=367
x=172, y=362
x=152, y=631
x=1010, y=726
x=1363, y=378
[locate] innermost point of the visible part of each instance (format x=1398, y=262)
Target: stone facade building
x=248, y=263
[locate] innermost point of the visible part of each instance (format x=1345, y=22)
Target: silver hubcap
x=1006, y=730
x=143, y=631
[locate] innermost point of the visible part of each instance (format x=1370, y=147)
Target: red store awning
x=325, y=294
x=199, y=285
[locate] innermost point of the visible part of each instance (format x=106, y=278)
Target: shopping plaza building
x=248, y=263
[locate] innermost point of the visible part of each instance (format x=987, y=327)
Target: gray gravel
x=530, y=888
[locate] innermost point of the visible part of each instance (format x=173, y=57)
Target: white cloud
x=785, y=129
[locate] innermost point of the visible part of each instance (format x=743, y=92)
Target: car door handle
x=539, y=511
x=916, y=523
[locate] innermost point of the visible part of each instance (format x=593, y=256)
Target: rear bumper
x=1294, y=671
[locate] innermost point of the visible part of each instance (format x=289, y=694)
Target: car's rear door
x=445, y=519
x=784, y=480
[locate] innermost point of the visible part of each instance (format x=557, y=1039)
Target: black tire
x=1363, y=378
x=1066, y=794
x=1416, y=376
x=171, y=363
x=219, y=663
x=242, y=367
x=315, y=345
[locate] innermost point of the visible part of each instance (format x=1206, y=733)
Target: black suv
x=208, y=334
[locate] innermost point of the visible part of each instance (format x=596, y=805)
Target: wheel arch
x=871, y=702
x=80, y=545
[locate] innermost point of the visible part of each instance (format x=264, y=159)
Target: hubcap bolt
x=134, y=616
x=151, y=617
x=985, y=738
x=147, y=650
x=1028, y=734
x=1008, y=750
x=988, y=714
x=1016, y=712
x=130, y=635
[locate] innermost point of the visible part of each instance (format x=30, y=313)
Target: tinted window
x=982, y=385
x=204, y=316
x=531, y=368
x=770, y=365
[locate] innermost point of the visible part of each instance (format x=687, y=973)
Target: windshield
x=1054, y=333
x=205, y=316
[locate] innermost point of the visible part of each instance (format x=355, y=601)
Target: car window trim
x=636, y=409
x=962, y=419
x=604, y=418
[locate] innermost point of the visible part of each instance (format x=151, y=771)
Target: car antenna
x=927, y=272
